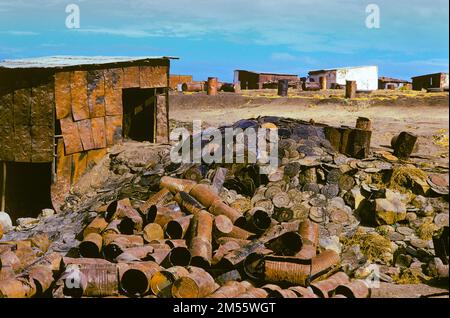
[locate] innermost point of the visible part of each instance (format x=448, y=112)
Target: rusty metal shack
x=436, y=80
x=59, y=115
x=392, y=83
x=255, y=80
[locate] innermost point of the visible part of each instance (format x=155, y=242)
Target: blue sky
x=214, y=37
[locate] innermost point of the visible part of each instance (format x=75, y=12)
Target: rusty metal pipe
x=177, y=229
x=176, y=185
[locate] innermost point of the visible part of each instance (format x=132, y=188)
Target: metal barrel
x=254, y=293
x=308, y=251
x=287, y=244
x=155, y=199
x=224, y=249
x=222, y=226
x=201, y=239
x=91, y=280
x=163, y=215
x=282, y=293
x=224, y=240
x=212, y=86
x=323, y=262
x=96, y=226
x=177, y=229
x=10, y=259
x=218, y=207
x=162, y=281
x=112, y=228
x=303, y=292
x=175, y=185
x=153, y=231
x=137, y=253
x=235, y=257
x=159, y=256
x=15, y=288
x=193, y=87
x=283, y=86
x=198, y=284
x=277, y=270
x=258, y=219
x=91, y=246
x=309, y=231
x=231, y=289
x=204, y=194
x=355, y=289
x=42, y=276
x=179, y=256
x=325, y=287
x=135, y=279
x=130, y=223
x=114, y=245
x=188, y=203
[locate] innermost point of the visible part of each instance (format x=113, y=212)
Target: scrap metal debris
x=323, y=225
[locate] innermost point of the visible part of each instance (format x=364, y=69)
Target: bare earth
x=425, y=114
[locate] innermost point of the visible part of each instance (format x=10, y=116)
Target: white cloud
x=19, y=33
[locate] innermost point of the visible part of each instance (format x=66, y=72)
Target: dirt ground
x=391, y=112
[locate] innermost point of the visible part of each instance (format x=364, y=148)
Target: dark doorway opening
x=139, y=114
x=25, y=188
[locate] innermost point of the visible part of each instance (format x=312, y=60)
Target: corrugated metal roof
x=266, y=73
x=429, y=74
x=393, y=80
x=71, y=61
x=341, y=68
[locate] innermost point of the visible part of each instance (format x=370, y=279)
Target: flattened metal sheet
x=22, y=107
x=79, y=166
x=42, y=143
x=131, y=77
x=78, y=91
x=42, y=105
x=6, y=143
x=96, y=93
x=162, y=127
x=85, y=131
x=153, y=76
x=113, y=91
x=94, y=157
x=63, y=100
x=72, y=140
x=22, y=143
x=99, y=132
x=113, y=129
x=61, y=188
x=6, y=108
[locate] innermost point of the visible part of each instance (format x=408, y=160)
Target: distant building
x=437, y=80
x=392, y=83
x=176, y=80
x=366, y=77
x=259, y=80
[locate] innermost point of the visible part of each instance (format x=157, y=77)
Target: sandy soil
x=426, y=115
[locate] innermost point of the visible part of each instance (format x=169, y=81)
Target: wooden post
x=323, y=83
x=363, y=123
x=404, y=144
x=350, y=89
x=212, y=86
x=3, y=201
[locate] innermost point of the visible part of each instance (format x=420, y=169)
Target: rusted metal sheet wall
x=96, y=104
x=26, y=117
x=438, y=80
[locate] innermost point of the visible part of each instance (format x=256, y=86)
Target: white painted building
x=366, y=77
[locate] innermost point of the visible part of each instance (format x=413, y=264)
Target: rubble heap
x=314, y=228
